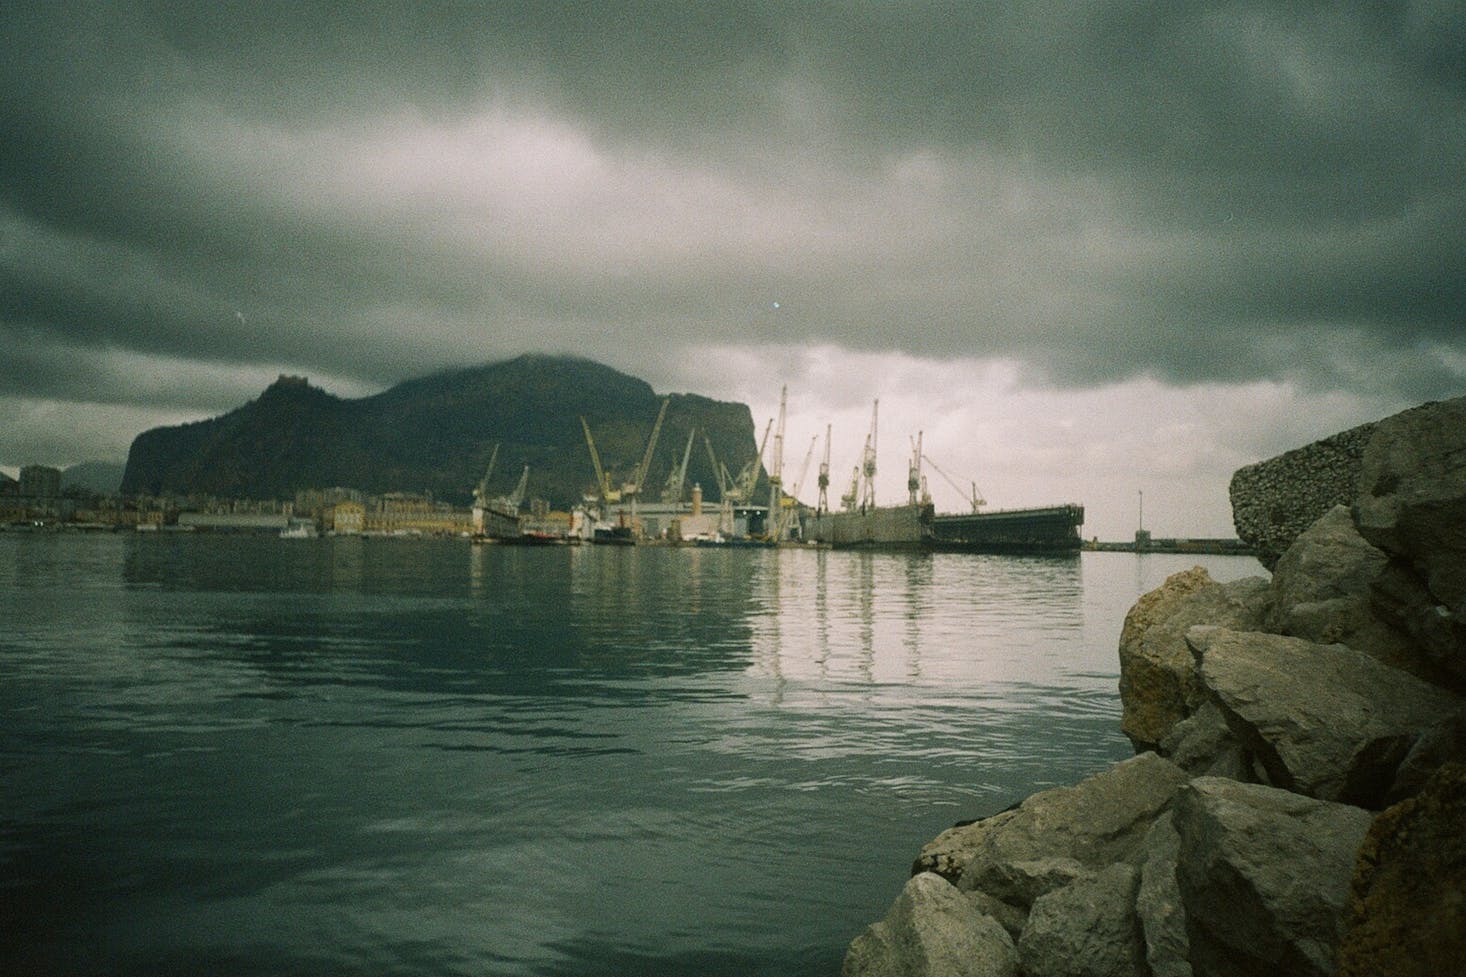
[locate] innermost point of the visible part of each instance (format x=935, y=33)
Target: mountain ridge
x=436, y=433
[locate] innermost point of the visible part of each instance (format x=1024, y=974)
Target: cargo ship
x=915, y=525
x=1047, y=529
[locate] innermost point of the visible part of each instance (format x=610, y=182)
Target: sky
x=1103, y=253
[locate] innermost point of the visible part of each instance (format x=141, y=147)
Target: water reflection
x=260, y=756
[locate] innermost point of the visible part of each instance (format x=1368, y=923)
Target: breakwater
x=1297, y=801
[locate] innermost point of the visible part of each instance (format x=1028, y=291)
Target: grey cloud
x=1186, y=191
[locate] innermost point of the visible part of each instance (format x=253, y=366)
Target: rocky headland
x=1297, y=802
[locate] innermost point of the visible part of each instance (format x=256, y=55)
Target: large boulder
x=1275, y=500
x=932, y=930
x=1321, y=591
x=1086, y=929
x=1407, y=912
x=1323, y=720
x=1158, y=902
x=1158, y=683
x=1264, y=877
x=1057, y=835
x=1411, y=504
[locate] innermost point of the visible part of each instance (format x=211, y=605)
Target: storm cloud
x=1187, y=195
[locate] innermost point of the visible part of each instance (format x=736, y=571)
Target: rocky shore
x=1297, y=802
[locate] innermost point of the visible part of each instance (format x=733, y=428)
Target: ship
x=915, y=525
x=1046, y=529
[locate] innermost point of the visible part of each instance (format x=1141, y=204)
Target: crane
x=633, y=488
x=603, y=481
x=976, y=501
x=720, y=470
x=517, y=496
x=824, y=500
x=790, y=502
x=742, y=488
x=868, y=463
x=481, y=491
x=914, y=481
x=672, y=491
x=776, y=470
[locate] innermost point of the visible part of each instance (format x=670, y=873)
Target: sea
x=243, y=755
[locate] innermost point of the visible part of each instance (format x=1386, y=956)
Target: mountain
x=436, y=434
x=101, y=477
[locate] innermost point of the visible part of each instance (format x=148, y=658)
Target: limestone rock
x=1407, y=914
x=1411, y=503
x=932, y=930
x=1158, y=902
x=1264, y=877
x=1158, y=683
x=1275, y=500
x=1203, y=745
x=1324, y=720
x=1101, y=820
x=1086, y=929
x=1322, y=592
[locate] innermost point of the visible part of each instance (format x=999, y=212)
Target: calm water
x=343, y=756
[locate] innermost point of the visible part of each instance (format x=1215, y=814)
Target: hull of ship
x=1051, y=529
x=881, y=527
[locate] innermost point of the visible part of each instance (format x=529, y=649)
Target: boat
x=915, y=525
x=1044, y=529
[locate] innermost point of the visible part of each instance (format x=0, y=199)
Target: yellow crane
x=608, y=495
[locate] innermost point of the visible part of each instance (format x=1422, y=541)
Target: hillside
x=436, y=434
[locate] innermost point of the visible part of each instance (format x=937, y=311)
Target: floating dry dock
x=1048, y=529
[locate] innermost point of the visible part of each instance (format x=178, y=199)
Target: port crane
x=976, y=500
x=720, y=470
x=481, y=491
x=915, y=480
x=789, y=504
x=776, y=470
x=824, y=499
x=868, y=462
x=513, y=499
x=672, y=491
x=633, y=488
x=608, y=495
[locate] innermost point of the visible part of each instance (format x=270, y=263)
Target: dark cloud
x=1192, y=192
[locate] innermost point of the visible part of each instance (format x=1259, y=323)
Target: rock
x=932, y=929
x=1017, y=857
x=1275, y=500
x=1322, y=592
x=1411, y=504
x=949, y=852
x=1158, y=902
x=1443, y=743
x=1202, y=744
x=1158, y=683
x=1407, y=912
x=1264, y=877
x=1323, y=720
x=1086, y=929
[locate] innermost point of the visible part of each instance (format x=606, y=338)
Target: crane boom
x=976, y=500
x=481, y=493
x=517, y=496
x=672, y=491
x=720, y=470
x=651, y=446
x=603, y=483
